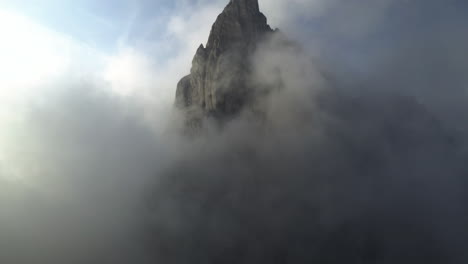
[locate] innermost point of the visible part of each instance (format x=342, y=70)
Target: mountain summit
x=218, y=83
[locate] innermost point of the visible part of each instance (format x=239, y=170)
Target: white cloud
x=128, y=72
x=30, y=55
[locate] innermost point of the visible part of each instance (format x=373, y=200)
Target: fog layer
x=357, y=158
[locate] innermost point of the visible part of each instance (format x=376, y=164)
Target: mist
x=359, y=156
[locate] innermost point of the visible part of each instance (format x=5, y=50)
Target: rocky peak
x=240, y=21
x=249, y=5
x=218, y=81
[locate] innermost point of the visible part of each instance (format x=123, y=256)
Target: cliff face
x=218, y=83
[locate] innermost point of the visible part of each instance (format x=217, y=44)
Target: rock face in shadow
x=218, y=83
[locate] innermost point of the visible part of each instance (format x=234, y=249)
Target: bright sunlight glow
x=30, y=54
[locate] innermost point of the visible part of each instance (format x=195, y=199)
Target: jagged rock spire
x=240, y=21
x=218, y=81
x=246, y=4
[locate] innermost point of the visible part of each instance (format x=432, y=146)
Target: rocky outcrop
x=218, y=83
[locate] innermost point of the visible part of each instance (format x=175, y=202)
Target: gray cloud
x=84, y=162
x=363, y=169
x=337, y=172
x=367, y=168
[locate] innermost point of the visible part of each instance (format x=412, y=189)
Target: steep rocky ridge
x=218, y=83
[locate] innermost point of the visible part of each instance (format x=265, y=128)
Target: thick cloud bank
x=355, y=173
x=338, y=165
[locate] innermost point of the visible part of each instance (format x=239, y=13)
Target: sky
x=86, y=95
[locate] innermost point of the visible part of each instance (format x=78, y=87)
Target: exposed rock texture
x=218, y=83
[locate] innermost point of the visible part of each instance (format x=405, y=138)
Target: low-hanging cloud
x=361, y=169
x=335, y=172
